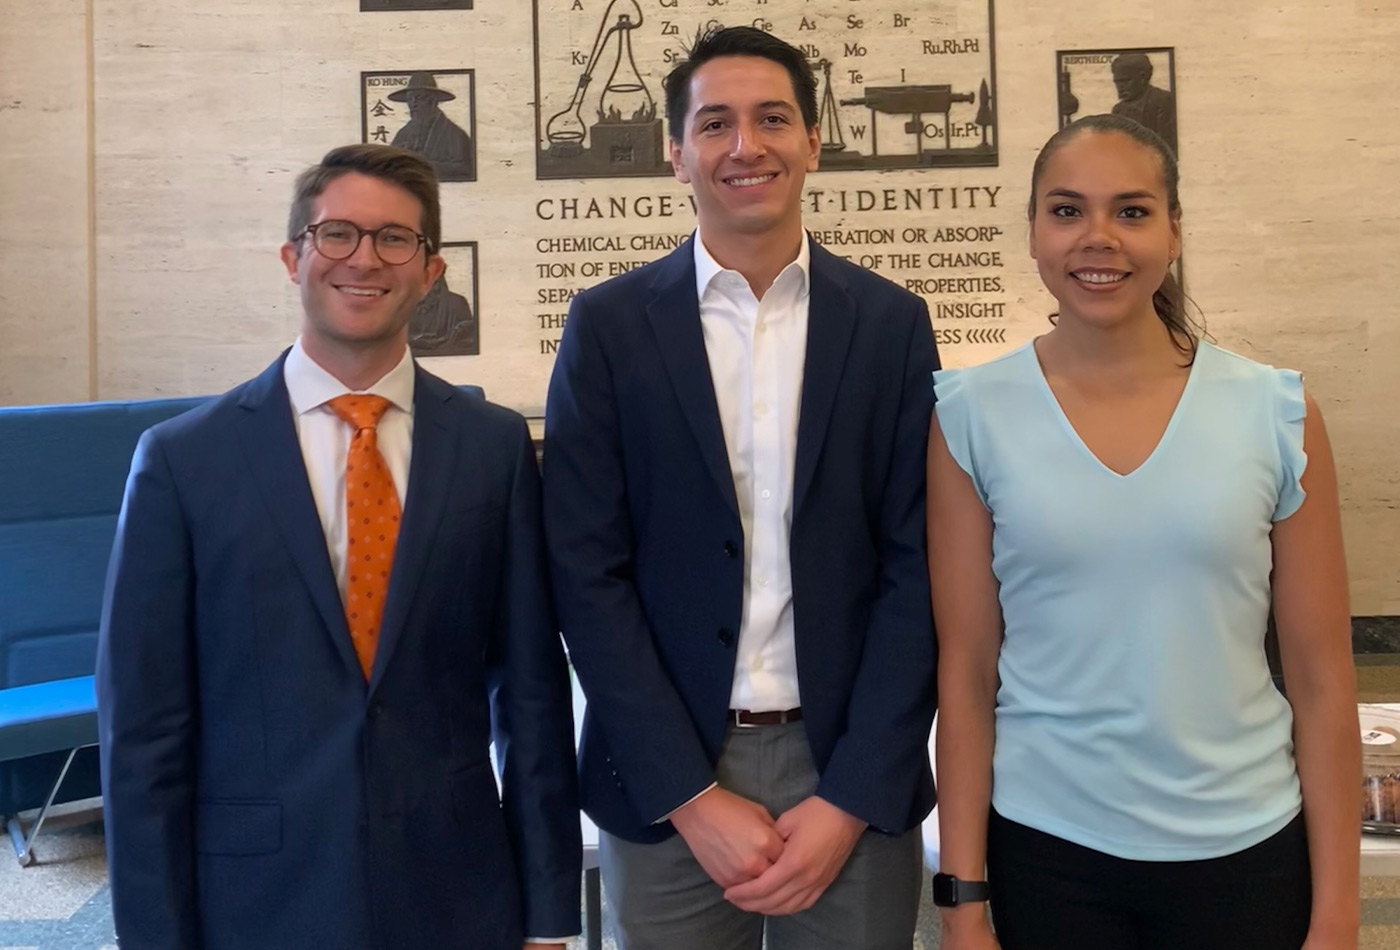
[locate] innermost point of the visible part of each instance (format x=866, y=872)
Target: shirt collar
x=309, y=386
x=707, y=268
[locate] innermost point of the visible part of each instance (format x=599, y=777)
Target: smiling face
x=360, y=302
x=746, y=151
x=1103, y=233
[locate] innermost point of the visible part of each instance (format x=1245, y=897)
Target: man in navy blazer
x=271, y=782
x=734, y=505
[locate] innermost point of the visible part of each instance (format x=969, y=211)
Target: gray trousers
x=662, y=899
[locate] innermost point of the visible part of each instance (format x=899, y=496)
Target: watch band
x=949, y=891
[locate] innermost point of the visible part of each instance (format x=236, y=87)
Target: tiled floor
x=63, y=903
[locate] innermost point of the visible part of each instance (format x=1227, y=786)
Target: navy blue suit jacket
x=259, y=793
x=647, y=546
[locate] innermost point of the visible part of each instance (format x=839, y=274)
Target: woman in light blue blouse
x=1113, y=510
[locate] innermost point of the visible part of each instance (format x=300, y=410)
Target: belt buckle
x=776, y=717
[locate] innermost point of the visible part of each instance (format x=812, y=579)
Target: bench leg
x=593, y=909
x=24, y=844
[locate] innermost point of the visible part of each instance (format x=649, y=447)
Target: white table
x=930, y=829
x=1380, y=856
x=592, y=878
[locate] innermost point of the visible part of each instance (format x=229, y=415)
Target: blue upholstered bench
x=43, y=718
x=62, y=473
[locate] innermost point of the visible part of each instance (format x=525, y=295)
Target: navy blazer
x=260, y=794
x=647, y=547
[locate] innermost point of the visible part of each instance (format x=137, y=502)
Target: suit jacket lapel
x=674, y=312
x=831, y=319
x=270, y=447
x=429, y=479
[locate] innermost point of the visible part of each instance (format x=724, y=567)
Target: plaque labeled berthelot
x=431, y=112
x=1139, y=84
x=911, y=89
x=447, y=322
x=370, y=6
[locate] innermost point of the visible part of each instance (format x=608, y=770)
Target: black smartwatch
x=948, y=891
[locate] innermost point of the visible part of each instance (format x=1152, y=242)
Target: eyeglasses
x=338, y=240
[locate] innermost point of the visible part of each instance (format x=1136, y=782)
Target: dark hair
x=394, y=165
x=738, y=41
x=1135, y=62
x=1169, y=300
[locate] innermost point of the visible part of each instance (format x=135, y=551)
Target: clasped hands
x=765, y=865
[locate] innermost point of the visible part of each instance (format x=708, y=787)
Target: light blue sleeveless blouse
x=1136, y=714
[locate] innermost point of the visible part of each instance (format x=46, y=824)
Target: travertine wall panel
x=1289, y=123
x=44, y=298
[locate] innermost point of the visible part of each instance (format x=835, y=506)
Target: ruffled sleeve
x=953, y=407
x=1289, y=412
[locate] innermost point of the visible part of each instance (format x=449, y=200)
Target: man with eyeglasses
x=326, y=598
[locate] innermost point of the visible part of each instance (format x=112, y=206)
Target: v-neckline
x=1074, y=435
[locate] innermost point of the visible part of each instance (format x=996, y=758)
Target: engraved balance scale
x=827, y=119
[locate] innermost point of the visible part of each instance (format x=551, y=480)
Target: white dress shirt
x=757, y=351
x=325, y=438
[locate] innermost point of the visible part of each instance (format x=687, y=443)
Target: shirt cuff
x=551, y=939
x=667, y=817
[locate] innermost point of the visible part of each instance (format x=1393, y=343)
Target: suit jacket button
x=375, y=710
x=731, y=549
x=726, y=636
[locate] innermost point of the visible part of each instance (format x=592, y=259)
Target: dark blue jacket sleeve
x=651, y=738
x=147, y=713
x=532, y=718
x=874, y=767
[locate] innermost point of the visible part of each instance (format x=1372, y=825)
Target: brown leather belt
x=775, y=717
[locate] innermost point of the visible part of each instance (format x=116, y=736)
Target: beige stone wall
x=44, y=209
x=1290, y=142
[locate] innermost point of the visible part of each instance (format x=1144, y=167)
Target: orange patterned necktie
x=371, y=523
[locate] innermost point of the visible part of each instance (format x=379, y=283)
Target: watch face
x=945, y=888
